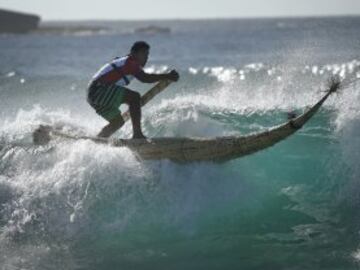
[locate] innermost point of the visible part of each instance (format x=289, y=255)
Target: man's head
x=140, y=50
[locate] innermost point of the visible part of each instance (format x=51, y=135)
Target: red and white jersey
x=120, y=71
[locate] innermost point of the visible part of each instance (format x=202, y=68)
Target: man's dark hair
x=138, y=46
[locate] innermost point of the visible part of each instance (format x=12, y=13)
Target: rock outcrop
x=17, y=22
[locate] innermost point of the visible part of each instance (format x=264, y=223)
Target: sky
x=180, y=9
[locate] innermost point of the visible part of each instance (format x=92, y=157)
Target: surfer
x=107, y=91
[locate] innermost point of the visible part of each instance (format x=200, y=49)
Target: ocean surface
x=80, y=205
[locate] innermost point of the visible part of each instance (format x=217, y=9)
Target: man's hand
x=173, y=75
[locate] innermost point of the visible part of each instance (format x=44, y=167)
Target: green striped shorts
x=106, y=99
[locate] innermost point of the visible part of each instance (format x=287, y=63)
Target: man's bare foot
x=139, y=136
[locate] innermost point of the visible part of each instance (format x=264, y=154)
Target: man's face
x=142, y=56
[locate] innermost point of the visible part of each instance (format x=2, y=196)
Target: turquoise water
x=79, y=205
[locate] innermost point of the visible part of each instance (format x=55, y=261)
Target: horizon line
x=282, y=16
x=202, y=18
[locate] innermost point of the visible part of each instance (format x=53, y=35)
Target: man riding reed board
x=107, y=89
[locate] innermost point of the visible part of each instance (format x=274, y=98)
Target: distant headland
x=17, y=22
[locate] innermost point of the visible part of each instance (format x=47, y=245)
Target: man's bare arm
x=151, y=78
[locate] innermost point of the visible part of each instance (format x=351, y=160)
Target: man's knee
x=117, y=122
x=132, y=97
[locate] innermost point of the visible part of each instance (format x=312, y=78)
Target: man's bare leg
x=133, y=98
x=112, y=127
